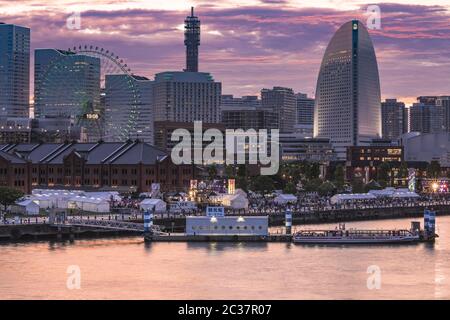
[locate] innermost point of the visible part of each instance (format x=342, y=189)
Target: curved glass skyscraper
x=348, y=102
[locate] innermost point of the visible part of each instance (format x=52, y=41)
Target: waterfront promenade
x=15, y=228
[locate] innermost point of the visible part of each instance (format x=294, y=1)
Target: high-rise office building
x=128, y=108
x=192, y=41
x=428, y=100
x=186, y=97
x=348, y=90
x=444, y=102
x=228, y=100
x=394, y=119
x=426, y=118
x=67, y=85
x=246, y=113
x=15, y=130
x=305, y=109
x=14, y=71
x=283, y=102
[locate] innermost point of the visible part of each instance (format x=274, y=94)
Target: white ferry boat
x=354, y=236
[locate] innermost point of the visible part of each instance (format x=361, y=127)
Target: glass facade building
x=305, y=109
x=348, y=102
x=65, y=83
x=394, y=117
x=14, y=71
x=283, y=103
x=67, y=86
x=128, y=108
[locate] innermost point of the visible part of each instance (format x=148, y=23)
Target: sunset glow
x=251, y=44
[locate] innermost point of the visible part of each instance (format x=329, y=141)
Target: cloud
x=250, y=47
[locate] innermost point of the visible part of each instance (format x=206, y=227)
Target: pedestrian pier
x=103, y=224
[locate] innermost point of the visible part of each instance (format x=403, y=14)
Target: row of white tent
x=374, y=194
x=66, y=199
x=33, y=204
x=108, y=195
x=394, y=193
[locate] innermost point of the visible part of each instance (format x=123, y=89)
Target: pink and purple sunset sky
x=252, y=44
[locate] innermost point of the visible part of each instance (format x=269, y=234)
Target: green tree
x=212, y=171
x=263, y=184
x=290, y=188
x=9, y=196
x=339, y=176
x=372, y=185
x=383, y=174
x=357, y=186
x=326, y=188
x=313, y=185
x=402, y=173
x=434, y=169
x=241, y=183
x=229, y=171
x=312, y=171
x=242, y=171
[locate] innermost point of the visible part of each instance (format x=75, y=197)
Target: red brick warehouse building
x=122, y=166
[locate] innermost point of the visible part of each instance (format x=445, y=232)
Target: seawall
x=177, y=224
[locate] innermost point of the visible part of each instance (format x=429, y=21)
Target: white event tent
x=74, y=199
x=148, y=204
x=234, y=201
x=89, y=204
x=285, y=198
x=342, y=197
x=26, y=206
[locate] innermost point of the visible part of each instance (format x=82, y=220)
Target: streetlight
x=435, y=186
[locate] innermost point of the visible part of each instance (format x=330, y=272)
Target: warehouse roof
x=93, y=153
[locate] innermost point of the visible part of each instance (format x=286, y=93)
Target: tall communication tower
x=191, y=41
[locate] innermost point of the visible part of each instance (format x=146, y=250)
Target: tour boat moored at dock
x=355, y=236
x=341, y=235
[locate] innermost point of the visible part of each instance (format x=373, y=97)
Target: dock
x=181, y=237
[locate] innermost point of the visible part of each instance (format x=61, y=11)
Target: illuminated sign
x=231, y=186
x=215, y=211
x=194, y=184
x=394, y=151
x=92, y=116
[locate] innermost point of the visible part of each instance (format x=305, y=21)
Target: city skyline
x=241, y=44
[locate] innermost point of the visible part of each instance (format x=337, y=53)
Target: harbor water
x=128, y=268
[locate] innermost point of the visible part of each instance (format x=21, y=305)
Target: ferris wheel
x=90, y=85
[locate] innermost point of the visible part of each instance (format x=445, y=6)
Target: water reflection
x=116, y=268
x=226, y=246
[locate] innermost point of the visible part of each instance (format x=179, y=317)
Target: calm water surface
x=127, y=268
